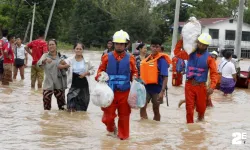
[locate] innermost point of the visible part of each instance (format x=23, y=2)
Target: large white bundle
x=102, y=95
x=190, y=33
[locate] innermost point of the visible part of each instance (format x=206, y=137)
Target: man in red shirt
x=39, y=47
x=2, y=42
x=8, y=60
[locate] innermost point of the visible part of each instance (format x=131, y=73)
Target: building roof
x=206, y=21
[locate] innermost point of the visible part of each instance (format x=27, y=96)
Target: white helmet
x=214, y=53
x=205, y=38
x=120, y=37
x=127, y=36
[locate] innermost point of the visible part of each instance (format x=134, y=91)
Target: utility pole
x=176, y=26
x=33, y=19
x=239, y=28
x=50, y=16
x=26, y=32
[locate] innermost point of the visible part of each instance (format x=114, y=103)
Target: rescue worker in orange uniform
x=121, y=68
x=176, y=75
x=199, y=63
x=154, y=73
x=214, y=55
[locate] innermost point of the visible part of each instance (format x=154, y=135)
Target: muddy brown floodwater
x=25, y=125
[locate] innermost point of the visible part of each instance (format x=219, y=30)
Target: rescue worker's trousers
x=196, y=97
x=120, y=103
x=176, y=79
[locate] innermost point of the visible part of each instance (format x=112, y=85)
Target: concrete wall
x=226, y=25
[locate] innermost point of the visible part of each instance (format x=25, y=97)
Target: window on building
x=245, y=36
x=214, y=33
x=230, y=34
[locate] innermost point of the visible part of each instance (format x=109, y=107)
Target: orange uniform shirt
x=210, y=61
x=104, y=63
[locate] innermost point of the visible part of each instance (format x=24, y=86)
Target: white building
x=223, y=32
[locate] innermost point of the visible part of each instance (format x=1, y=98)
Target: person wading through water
x=39, y=47
x=199, y=63
x=2, y=42
x=21, y=58
x=228, y=75
x=214, y=55
x=154, y=73
x=8, y=60
x=121, y=69
x=79, y=69
x=55, y=79
x=178, y=69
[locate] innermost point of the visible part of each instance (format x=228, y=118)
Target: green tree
x=133, y=16
x=5, y=15
x=164, y=17
x=247, y=13
x=90, y=24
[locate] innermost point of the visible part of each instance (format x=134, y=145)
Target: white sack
x=102, y=95
x=190, y=33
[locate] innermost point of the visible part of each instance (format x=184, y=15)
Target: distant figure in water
x=38, y=47
x=109, y=47
x=229, y=75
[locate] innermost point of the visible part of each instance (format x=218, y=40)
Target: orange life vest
x=149, y=68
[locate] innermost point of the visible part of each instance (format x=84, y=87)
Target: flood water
x=25, y=125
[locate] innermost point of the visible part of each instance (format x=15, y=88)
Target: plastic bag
x=102, y=95
x=103, y=77
x=190, y=33
x=137, y=95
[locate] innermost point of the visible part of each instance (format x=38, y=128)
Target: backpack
x=180, y=65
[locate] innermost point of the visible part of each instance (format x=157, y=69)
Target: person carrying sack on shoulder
x=199, y=63
x=154, y=73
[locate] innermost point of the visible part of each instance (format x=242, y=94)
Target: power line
x=100, y=22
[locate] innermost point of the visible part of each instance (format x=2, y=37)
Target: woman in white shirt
x=79, y=68
x=228, y=72
x=21, y=58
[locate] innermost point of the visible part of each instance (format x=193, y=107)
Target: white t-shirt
x=20, y=52
x=78, y=66
x=227, y=69
x=249, y=69
x=235, y=61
